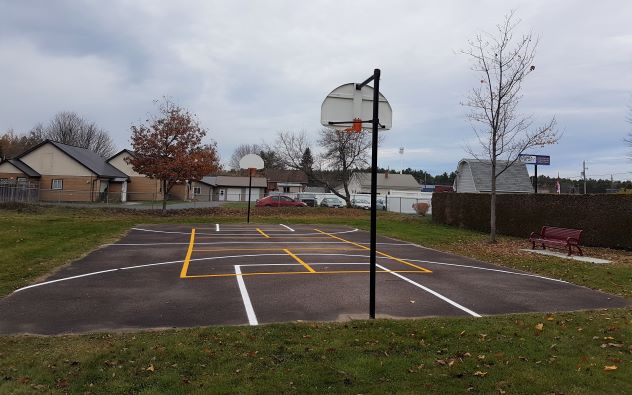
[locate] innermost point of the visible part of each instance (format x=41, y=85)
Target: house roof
x=85, y=157
x=23, y=167
x=233, y=181
x=514, y=179
x=390, y=181
x=279, y=175
x=119, y=153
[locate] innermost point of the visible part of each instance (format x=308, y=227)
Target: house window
x=57, y=184
x=21, y=180
x=197, y=190
x=286, y=189
x=4, y=181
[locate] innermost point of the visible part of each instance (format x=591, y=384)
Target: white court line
x=256, y=255
x=488, y=269
x=217, y=227
x=240, y=234
x=244, y=242
x=250, y=312
x=285, y=226
x=437, y=294
x=136, y=267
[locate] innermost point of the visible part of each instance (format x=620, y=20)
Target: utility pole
x=584, y=175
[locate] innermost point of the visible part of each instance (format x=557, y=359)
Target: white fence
x=393, y=203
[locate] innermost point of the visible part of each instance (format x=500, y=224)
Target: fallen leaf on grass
x=151, y=368
x=480, y=374
x=539, y=327
x=610, y=367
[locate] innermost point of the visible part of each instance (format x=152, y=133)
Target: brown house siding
x=143, y=188
x=74, y=189
x=179, y=192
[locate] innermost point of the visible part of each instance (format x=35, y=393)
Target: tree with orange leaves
x=169, y=148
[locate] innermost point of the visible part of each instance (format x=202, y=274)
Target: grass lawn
x=580, y=352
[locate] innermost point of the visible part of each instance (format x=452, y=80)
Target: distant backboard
x=251, y=161
x=346, y=103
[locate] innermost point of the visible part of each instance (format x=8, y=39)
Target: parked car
x=279, y=201
x=308, y=198
x=365, y=203
x=332, y=202
x=361, y=203
x=380, y=205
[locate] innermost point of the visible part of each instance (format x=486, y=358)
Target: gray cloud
x=250, y=69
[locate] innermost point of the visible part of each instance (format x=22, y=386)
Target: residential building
x=66, y=173
x=474, y=176
x=228, y=188
x=387, y=183
x=286, y=181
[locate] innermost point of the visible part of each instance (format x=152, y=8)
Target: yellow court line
x=275, y=249
x=187, y=259
x=254, y=235
x=299, y=260
x=288, y=273
x=378, y=252
x=263, y=233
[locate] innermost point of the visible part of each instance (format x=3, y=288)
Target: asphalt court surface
x=161, y=276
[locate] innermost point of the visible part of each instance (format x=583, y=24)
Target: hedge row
x=605, y=219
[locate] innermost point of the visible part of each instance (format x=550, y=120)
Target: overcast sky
x=249, y=69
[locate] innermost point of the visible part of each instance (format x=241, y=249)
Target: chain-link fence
x=19, y=191
x=29, y=192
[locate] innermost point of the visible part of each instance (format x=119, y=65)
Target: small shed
x=474, y=176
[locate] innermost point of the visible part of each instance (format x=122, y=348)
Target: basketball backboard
x=251, y=161
x=346, y=103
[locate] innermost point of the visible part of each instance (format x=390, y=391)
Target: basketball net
x=357, y=126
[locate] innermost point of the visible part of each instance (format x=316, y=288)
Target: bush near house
x=605, y=219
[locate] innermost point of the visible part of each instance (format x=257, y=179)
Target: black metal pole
x=376, y=123
x=536, y=178
x=249, y=191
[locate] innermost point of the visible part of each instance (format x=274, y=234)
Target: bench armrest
x=534, y=235
x=572, y=240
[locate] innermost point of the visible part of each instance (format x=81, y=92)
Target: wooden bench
x=551, y=236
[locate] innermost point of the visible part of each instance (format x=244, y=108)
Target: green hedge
x=605, y=219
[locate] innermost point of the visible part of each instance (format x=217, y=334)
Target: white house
x=387, y=183
x=228, y=188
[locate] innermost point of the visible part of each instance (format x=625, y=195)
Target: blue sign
x=535, y=159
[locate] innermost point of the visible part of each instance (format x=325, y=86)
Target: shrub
x=421, y=208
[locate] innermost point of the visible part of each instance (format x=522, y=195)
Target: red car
x=279, y=201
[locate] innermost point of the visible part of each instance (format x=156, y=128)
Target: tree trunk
x=164, y=196
x=492, y=208
x=347, y=195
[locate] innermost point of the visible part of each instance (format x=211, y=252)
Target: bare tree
x=502, y=62
x=628, y=140
x=241, y=151
x=13, y=144
x=69, y=128
x=342, y=155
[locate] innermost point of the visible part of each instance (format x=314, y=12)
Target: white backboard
x=251, y=161
x=346, y=103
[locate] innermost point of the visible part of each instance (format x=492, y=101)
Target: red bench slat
x=553, y=236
